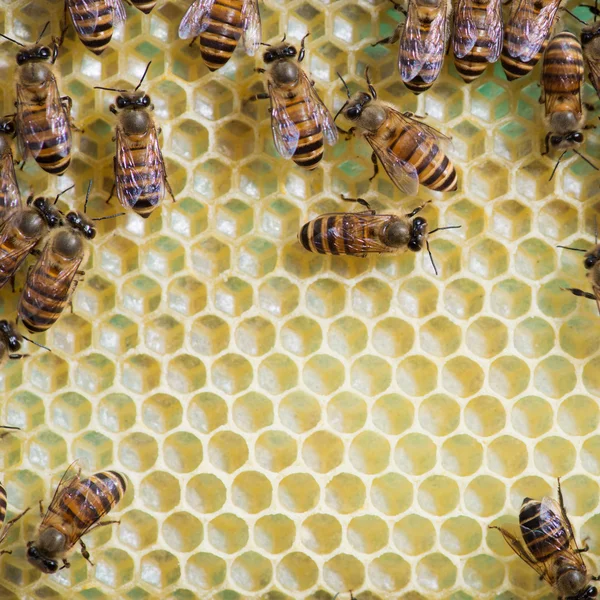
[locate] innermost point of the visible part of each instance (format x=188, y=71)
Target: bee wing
x=330, y=132
x=81, y=26
x=251, y=26
x=285, y=132
x=7, y=228
x=465, y=31
x=435, y=44
x=411, y=50
x=57, y=119
x=134, y=181
x=9, y=188
x=69, y=478
x=194, y=20
x=495, y=29
x=535, y=30
x=118, y=8
x=519, y=549
x=593, y=64
x=596, y=291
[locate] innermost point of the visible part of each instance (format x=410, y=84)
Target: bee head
x=81, y=223
x=47, y=211
x=589, y=33
x=37, y=559
x=133, y=100
x=7, y=126
x=13, y=339
x=38, y=53
x=356, y=105
x=279, y=52
x=418, y=234
x=591, y=258
x=590, y=592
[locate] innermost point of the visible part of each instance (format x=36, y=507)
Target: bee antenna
x=372, y=90
x=587, y=160
x=345, y=84
x=574, y=16
x=265, y=44
x=337, y=114
x=61, y=193
x=283, y=38
x=11, y=40
x=42, y=32
x=431, y=257
x=556, y=165
x=137, y=87
x=98, y=87
x=443, y=228
x=569, y=248
x=87, y=195
x=9, y=427
x=36, y=344
x=110, y=217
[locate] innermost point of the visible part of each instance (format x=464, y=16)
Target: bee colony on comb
x=295, y=313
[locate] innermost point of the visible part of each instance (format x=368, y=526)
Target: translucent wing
x=69, y=478
x=83, y=24
x=251, y=26
x=465, y=30
x=495, y=29
x=535, y=30
x=434, y=45
x=596, y=291
x=323, y=116
x=57, y=127
x=411, y=51
x=593, y=63
x=10, y=197
x=285, y=132
x=519, y=549
x=131, y=181
x=118, y=8
x=194, y=21
x=10, y=260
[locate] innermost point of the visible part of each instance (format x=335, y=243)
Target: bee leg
x=302, y=52
x=360, y=201
x=114, y=111
x=17, y=357
x=103, y=524
x=10, y=552
x=66, y=564
x=261, y=96
x=14, y=520
x=375, y=166
x=112, y=191
x=41, y=509
x=169, y=189
x=417, y=210
x=85, y=553
x=349, y=134
x=580, y=293
x=193, y=40
x=392, y=39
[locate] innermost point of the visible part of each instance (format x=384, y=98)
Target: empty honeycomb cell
x=210, y=257
x=163, y=335
x=209, y=335
x=114, y=567
x=274, y=533
x=532, y=179
x=116, y=412
x=392, y=337
x=484, y=496
x=325, y=298
x=487, y=259
x=488, y=187
x=205, y=493
x=343, y=572
x=161, y=412
x=252, y=412
x=391, y=494
x=510, y=298
x=298, y=492
x=589, y=531
x=462, y=376
x=463, y=298
x=578, y=415
x=490, y=101
x=70, y=411
x=251, y=571
x=417, y=375
x=159, y=491
x=141, y=295
x=590, y=377
x=11, y=376
x=534, y=337
x=24, y=488
x=233, y=296
x=345, y=493
x=523, y=577
x=438, y=495
x=301, y=336
x=483, y=573
x=415, y=454
x=299, y=412
x=369, y=452
x=138, y=530
x=439, y=336
x=251, y=492
x=275, y=450
x=186, y=295
x=346, y=412
x=227, y=533
x=557, y=220
x=392, y=414
x=47, y=450
x=159, y=569
x=460, y=535
x=414, y=535
x=508, y=376
x=435, y=572
x=164, y=257
x=512, y=140
x=235, y=140
x=234, y=218
x=507, y=456
x=277, y=373
x=534, y=259
x=258, y=178
x=207, y=412
x=322, y=451
x=417, y=297
x=138, y=451
x=461, y=455
x=394, y=266
x=554, y=301
x=554, y=456
x=580, y=494
x=47, y=372
x=205, y=571
x=231, y=373
x=323, y=374
x=370, y=375
x=10, y=452
x=93, y=450
x=486, y=337
x=280, y=218
x=118, y=256
x=24, y=410
x=117, y=335
x=297, y=572
x=186, y=374
x=255, y=336
x=389, y=572
x=71, y=334
x=211, y=178
x=278, y=296
x=321, y=533
x=510, y=219
x=579, y=337
x=140, y=373
x=555, y=376
x=346, y=336
x=439, y=414
x=348, y=266
x=227, y=451
x=367, y=534
x=532, y=416
x=182, y=452
x=371, y=297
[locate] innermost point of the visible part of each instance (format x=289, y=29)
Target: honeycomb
x=295, y=425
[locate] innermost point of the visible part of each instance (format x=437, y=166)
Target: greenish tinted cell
x=94, y=449
x=490, y=90
x=100, y=127
x=76, y=88
x=581, y=168
x=513, y=129
x=525, y=110
x=532, y=90
x=466, y=129
x=25, y=410
x=117, y=412
x=352, y=168
x=148, y=51
x=554, y=301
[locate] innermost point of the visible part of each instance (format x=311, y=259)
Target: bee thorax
x=373, y=117
x=68, y=243
x=564, y=122
x=32, y=73
x=30, y=224
x=52, y=541
x=285, y=72
x=135, y=122
x=396, y=234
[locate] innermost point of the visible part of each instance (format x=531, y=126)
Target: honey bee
x=75, y=510
x=10, y=345
x=526, y=35
x=220, y=24
x=21, y=231
x=408, y=149
x=478, y=35
x=550, y=547
x=299, y=119
x=43, y=118
x=10, y=197
x=52, y=280
x=423, y=38
x=361, y=233
x=5, y=527
x=94, y=20
x=140, y=174
x=590, y=41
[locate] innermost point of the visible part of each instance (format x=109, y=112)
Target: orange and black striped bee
x=220, y=24
x=362, y=233
x=76, y=509
x=408, y=149
x=549, y=547
x=21, y=231
x=94, y=21
x=423, y=38
x=590, y=41
x=5, y=527
x=526, y=35
x=300, y=122
x=477, y=39
x=10, y=197
x=43, y=118
x=140, y=174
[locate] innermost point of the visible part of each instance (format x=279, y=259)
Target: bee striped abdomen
x=543, y=538
x=225, y=27
x=309, y=151
x=145, y=6
x=3, y=505
x=563, y=65
x=434, y=168
x=338, y=234
x=52, y=152
x=94, y=27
